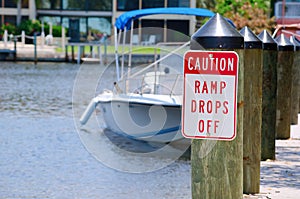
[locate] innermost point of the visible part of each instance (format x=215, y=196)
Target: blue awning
x=125, y=19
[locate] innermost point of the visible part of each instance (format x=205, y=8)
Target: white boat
x=151, y=111
x=147, y=117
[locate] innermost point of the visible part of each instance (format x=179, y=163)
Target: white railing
x=153, y=83
x=40, y=40
x=159, y=77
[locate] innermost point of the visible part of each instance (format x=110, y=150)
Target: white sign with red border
x=210, y=95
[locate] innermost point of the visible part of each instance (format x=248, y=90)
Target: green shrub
x=26, y=26
x=11, y=29
x=56, y=30
x=30, y=27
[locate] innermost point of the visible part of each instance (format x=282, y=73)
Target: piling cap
x=296, y=42
x=250, y=39
x=284, y=43
x=217, y=33
x=268, y=42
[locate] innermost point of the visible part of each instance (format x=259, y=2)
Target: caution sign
x=210, y=95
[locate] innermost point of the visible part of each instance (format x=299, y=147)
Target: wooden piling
x=252, y=111
x=35, y=48
x=15, y=49
x=269, y=100
x=66, y=54
x=217, y=166
x=73, y=53
x=295, y=82
x=284, y=83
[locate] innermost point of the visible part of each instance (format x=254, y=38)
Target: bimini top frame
x=125, y=22
x=125, y=19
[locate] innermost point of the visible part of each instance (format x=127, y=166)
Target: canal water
x=46, y=153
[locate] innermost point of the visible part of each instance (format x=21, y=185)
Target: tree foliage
x=225, y=6
x=208, y=4
x=252, y=13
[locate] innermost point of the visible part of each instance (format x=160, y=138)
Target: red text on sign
x=208, y=126
x=212, y=87
x=209, y=106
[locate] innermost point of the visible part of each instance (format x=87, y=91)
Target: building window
x=126, y=5
x=74, y=4
x=87, y=28
x=48, y=4
x=291, y=9
x=178, y=30
x=153, y=27
x=104, y=5
x=97, y=27
x=10, y=4
x=178, y=3
x=52, y=20
x=13, y=3
x=25, y=4
x=153, y=3
x=86, y=5
x=10, y=19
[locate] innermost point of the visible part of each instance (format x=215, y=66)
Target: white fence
x=40, y=40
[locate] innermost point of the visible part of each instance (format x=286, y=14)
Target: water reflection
x=114, y=151
x=37, y=90
x=43, y=157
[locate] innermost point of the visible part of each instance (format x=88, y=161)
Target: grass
x=111, y=49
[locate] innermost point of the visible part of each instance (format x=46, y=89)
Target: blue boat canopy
x=125, y=19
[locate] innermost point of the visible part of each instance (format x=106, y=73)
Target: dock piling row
x=268, y=103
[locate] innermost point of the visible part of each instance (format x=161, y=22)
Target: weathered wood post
x=284, y=83
x=295, y=82
x=73, y=53
x=269, y=100
x=217, y=166
x=92, y=52
x=105, y=49
x=298, y=64
x=15, y=48
x=79, y=54
x=99, y=54
x=252, y=111
x=66, y=53
x=35, y=48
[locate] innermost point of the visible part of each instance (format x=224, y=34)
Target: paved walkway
x=280, y=179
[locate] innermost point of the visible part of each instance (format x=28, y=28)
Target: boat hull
x=139, y=120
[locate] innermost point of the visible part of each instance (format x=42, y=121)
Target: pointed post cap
x=217, y=33
x=296, y=42
x=268, y=42
x=250, y=39
x=284, y=43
